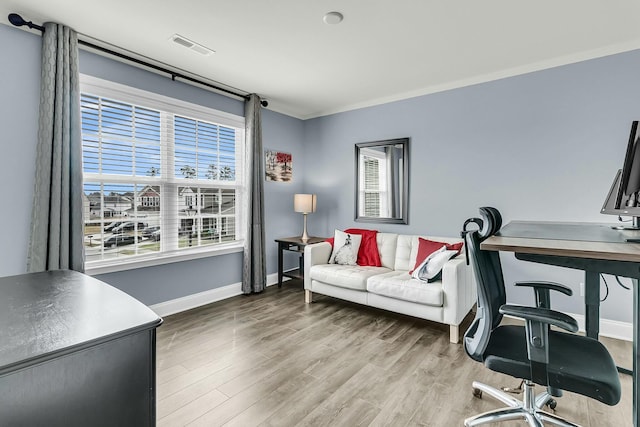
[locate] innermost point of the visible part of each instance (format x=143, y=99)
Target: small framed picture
x=278, y=166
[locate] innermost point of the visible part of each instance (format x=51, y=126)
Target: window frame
x=107, y=89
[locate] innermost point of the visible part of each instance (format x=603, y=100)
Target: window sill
x=103, y=267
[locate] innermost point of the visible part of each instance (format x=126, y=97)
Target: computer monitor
x=624, y=198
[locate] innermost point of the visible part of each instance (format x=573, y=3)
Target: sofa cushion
x=345, y=276
x=400, y=285
x=387, y=243
x=405, y=257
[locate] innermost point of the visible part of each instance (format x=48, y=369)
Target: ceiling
x=384, y=50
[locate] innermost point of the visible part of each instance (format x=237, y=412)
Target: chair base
x=544, y=398
x=528, y=409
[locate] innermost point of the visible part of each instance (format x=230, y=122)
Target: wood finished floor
x=271, y=360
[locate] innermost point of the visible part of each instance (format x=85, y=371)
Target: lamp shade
x=304, y=203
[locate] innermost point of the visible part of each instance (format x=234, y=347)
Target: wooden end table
x=293, y=244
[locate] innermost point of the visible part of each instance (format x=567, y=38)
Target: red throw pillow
x=330, y=240
x=427, y=247
x=368, y=254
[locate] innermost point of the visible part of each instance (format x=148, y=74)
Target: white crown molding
x=483, y=78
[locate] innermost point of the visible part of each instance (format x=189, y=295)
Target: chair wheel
x=552, y=403
x=477, y=393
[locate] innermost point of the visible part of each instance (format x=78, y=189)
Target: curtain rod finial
x=264, y=102
x=18, y=21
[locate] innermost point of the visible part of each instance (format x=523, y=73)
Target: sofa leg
x=308, y=296
x=454, y=334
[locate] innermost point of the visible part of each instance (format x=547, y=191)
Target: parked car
x=210, y=233
x=128, y=226
x=119, y=240
x=113, y=225
x=155, y=236
x=147, y=232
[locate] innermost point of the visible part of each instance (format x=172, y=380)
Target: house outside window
x=162, y=177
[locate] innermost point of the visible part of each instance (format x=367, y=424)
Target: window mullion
x=242, y=195
x=169, y=206
x=134, y=154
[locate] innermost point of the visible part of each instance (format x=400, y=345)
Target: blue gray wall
x=19, y=99
x=540, y=146
x=19, y=85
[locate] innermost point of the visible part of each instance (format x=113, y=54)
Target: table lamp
x=305, y=204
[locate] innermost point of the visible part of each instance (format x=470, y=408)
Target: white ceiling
x=384, y=50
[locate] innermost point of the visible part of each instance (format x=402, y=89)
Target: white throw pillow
x=433, y=264
x=345, y=248
x=419, y=268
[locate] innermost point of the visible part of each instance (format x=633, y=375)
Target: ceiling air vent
x=183, y=41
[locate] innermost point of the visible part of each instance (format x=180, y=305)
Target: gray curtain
x=254, y=273
x=56, y=220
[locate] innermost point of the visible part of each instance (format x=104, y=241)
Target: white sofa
x=390, y=287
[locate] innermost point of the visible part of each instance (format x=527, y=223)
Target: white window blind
x=371, y=187
x=161, y=176
x=373, y=183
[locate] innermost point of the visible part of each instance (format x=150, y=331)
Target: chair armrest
x=541, y=289
x=548, y=285
x=317, y=253
x=542, y=315
x=537, y=332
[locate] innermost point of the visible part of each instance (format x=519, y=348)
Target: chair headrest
x=488, y=225
x=492, y=219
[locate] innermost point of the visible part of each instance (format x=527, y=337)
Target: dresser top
x=45, y=315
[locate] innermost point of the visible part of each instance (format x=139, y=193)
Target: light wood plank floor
x=271, y=360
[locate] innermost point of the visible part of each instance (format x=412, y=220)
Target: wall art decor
x=278, y=166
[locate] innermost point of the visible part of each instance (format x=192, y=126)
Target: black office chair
x=534, y=352
x=542, y=300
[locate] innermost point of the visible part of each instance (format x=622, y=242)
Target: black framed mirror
x=382, y=181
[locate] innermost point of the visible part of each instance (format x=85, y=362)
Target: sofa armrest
x=318, y=253
x=459, y=287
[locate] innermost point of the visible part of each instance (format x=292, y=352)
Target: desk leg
x=636, y=337
x=280, y=264
x=592, y=303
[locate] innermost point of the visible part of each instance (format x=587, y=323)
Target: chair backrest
x=489, y=279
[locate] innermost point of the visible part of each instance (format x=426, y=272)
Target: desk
x=602, y=251
x=294, y=244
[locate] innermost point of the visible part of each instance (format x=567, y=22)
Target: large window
x=161, y=177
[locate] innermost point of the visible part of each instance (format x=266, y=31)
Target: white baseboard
x=608, y=328
x=189, y=302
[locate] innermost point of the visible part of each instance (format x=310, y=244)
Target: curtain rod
x=18, y=21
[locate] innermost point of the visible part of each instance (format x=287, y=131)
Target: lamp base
x=305, y=236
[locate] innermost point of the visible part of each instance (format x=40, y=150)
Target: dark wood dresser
x=74, y=351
